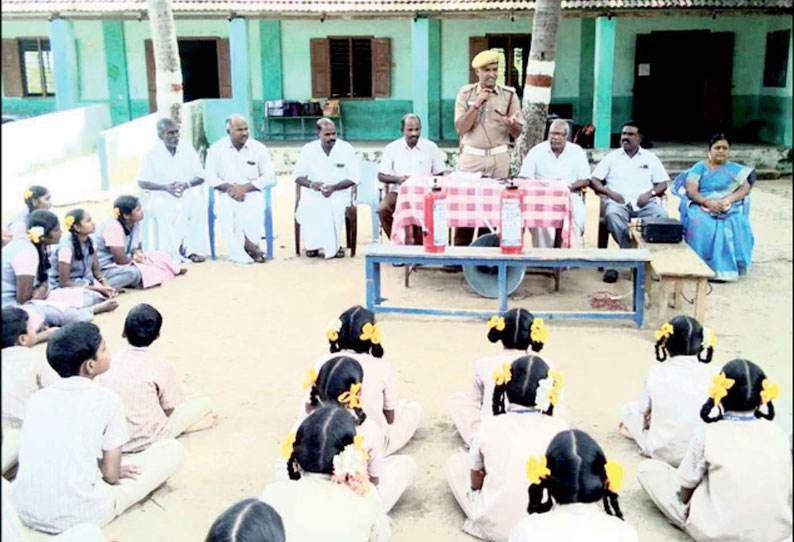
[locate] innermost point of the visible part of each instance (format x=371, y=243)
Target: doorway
x=682, y=84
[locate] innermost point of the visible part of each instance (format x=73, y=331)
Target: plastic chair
x=369, y=194
x=679, y=189
x=148, y=219
x=268, y=218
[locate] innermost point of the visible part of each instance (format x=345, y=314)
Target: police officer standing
x=486, y=116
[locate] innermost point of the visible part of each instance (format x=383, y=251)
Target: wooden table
x=674, y=264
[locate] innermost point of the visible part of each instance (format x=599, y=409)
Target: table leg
x=679, y=288
x=372, y=283
x=502, y=288
x=700, y=300
x=648, y=280
x=665, y=288
x=640, y=277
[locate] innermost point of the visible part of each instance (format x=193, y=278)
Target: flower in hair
x=666, y=331
x=537, y=469
x=720, y=386
x=352, y=397
x=358, y=442
x=769, y=391
x=35, y=234
x=538, y=332
x=350, y=466
x=68, y=222
x=27, y=194
x=286, y=446
x=334, y=327
x=371, y=333
x=502, y=376
x=497, y=321
x=556, y=389
x=709, y=338
x=615, y=474
x=543, y=393
x=312, y=379
x=116, y=212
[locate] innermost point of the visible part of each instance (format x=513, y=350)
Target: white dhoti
x=181, y=222
x=240, y=220
x=322, y=220
x=544, y=237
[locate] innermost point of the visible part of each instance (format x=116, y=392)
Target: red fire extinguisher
x=511, y=224
x=435, y=235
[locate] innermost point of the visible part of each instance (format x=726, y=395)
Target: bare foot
x=207, y=422
x=623, y=431
x=42, y=336
x=182, y=271
x=105, y=306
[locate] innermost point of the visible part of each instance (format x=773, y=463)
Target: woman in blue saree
x=714, y=211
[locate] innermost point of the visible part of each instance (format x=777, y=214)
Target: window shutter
x=477, y=44
x=224, y=69
x=151, y=77
x=12, y=69
x=320, y=49
x=381, y=67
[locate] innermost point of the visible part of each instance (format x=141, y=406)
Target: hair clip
x=312, y=379
x=503, y=376
x=537, y=469
x=615, y=474
x=666, y=331
x=371, y=333
x=769, y=391
x=709, y=338
x=351, y=398
x=497, y=321
x=720, y=386
x=35, y=234
x=27, y=194
x=538, y=332
x=116, y=212
x=68, y=222
x=287, y=446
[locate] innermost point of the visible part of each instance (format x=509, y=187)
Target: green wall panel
x=28, y=107
x=374, y=119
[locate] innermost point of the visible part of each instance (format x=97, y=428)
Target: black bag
x=311, y=109
x=662, y=230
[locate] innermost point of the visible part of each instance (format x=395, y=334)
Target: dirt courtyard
x=246, y=335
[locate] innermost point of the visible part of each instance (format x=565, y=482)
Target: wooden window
x=776, y=59
x=28, y=67
x=351, y=67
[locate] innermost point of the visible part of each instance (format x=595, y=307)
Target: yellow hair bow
x=666, y=331
x=370, y=333
x=35, y=234
x=351, y=398
x=358, y=442
x=770, y=391
x=332, y=334
x=27, y=194
x=554, y=395
x=312, y=379
x=68, y=222
x=286, y=446
x=503, y=376
x=537, y=469
x=709, y=337
x=496, y=321
x=116, y=212
x=615, y=474
x=538, y=332
x=720, y=386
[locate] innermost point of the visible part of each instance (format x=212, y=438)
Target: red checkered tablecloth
x=476, y=203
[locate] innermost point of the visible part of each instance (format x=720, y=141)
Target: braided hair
x=335, y=378
x=578, y=474
x=744, y=395
x=247, y=521
x=34, y=192
x=686, y=340
x=48, y=222
x=526, y=372
x=126, y=205
x=77, y=246
x=348, y=337
x=517, y=331
x=323, y=434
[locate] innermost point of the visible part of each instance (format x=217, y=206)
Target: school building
x=683, y=67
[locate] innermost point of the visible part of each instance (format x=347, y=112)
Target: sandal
x=340, y=253
x=195, y=258
x=312, y=253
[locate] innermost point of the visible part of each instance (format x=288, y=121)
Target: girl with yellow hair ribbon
x=35, y=197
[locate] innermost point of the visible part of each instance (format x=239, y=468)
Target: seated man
x=239, y=168
x=632, y=178
x=409, y=155
x=328, y=168
x=172, y=172
x=559, y=159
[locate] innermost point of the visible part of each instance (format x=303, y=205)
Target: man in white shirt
x=409, y=155
x=326, y=168
x=632, y=178
x=563, y=160
x=171, y=173
x=238, y=168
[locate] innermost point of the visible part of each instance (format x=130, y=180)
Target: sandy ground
x=245, y=335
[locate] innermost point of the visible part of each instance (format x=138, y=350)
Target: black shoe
x=312, y=253
x=610, y=276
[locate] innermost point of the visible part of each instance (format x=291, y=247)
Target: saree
x=723, y=240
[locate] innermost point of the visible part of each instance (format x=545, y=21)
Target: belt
x=468, y=149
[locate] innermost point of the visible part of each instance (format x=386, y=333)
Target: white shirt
x=574, y=522
x=630, y=176
x=24, y=371
x=340, y=164
x=67, y=426
x=399, y=159
x=570, y=166
x=161, y=167
x=251, y=164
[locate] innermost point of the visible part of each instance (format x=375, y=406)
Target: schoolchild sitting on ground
x=24, y=371
x=356, y=334
x=119, y=250
x=35, y=197
x=664, y=418
x=329, y=495
x=24, y=276
x=250, y=520
x=68, y=425
x=74, y=275
x=568, y=485
x=490, y=486
x=518, y=331
x=339, y=383
x=734, y=482
x=154, y=404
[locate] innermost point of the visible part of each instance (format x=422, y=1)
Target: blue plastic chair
x=679, y=189
x=368, y=193
x=268, y=218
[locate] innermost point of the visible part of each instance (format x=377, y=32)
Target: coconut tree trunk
x=540, y=74
x=168, y=80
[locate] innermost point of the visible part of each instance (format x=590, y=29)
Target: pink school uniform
x=24, y=371
x=576, y=522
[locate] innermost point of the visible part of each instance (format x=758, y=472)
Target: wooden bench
x=377, y=254
x=674, y=264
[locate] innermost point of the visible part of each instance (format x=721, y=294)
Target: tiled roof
x=373, y=6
